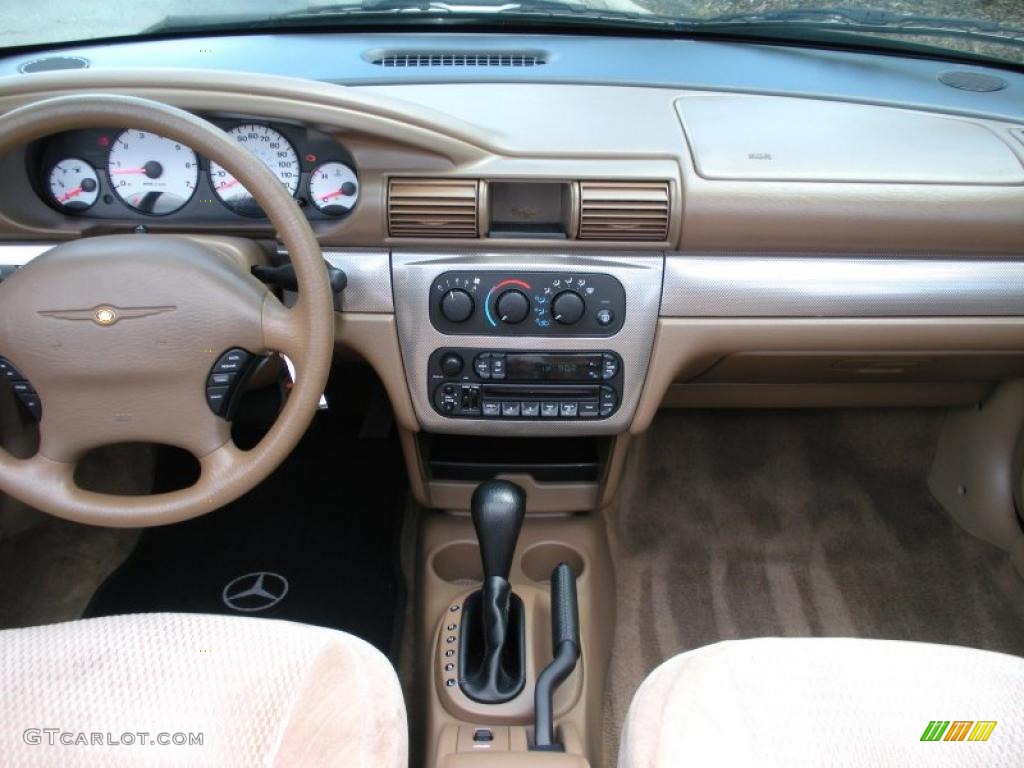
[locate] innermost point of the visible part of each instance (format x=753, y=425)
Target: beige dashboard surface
x=969, y=202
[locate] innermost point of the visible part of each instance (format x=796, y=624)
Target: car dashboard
x=535, y=248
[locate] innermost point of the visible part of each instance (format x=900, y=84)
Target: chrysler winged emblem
x=105, y=314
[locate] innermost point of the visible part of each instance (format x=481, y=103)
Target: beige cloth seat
x=260, y=692
x=825, y=702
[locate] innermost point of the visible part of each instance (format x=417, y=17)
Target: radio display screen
x=553, y=367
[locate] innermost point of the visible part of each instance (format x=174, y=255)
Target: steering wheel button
x=231, y=361
x=32, y=404
x=216, y=398
x=221, y=379
x=8, y=371
x=22, y=387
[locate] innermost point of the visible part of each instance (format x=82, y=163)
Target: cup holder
x=541, y=559
x=458, y=563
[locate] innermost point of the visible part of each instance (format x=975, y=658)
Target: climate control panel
x=484, y=384
x=527, y=304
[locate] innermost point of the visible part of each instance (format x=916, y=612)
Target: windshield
x=985, y=29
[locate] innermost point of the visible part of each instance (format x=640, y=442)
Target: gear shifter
x=492, y=640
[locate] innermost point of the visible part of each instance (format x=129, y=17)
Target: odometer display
x=150, y=173
x=277, y=154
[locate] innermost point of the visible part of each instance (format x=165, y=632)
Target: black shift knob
x=498, y=508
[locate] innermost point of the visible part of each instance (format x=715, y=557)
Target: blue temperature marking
x=487, y=309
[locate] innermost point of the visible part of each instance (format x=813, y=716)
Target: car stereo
x=488, y=384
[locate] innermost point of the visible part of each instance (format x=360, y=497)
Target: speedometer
x=273, y=149
x=150, y=173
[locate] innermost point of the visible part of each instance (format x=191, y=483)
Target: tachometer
x=333, y=188
x=152, y=174
x=273, y=149
x=74, y=184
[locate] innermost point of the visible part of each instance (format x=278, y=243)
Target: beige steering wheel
x=177, y=306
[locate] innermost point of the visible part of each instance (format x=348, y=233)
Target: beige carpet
x=735, y=524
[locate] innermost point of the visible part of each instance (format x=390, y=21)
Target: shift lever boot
x=492, y=640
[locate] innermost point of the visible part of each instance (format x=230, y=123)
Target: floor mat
x=316, y=543
x=737, y=524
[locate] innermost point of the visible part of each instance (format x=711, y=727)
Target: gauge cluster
x=130, y=174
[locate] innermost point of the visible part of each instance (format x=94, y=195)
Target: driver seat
x=259, y=691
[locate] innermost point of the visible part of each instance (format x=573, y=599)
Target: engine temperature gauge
x=333, y=188
x=74, y=184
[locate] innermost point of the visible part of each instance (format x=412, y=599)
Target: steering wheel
x=118, y=334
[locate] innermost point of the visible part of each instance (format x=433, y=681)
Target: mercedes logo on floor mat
x=255, y=591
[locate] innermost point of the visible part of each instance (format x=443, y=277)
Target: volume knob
x=568, y=307
x=457, y=305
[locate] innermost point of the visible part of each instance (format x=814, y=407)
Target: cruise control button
x=492, y=408
x=216, y=398
x=8, y=371
x=589, y=410
x=531, y=410
x=549, y=410
x=22, y=388
x=31, y=402
x=567, y=410
x=482, y=365
x=231, y=361
x=510, y=408
x=221, y=379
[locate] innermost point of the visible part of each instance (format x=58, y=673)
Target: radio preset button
x=510, y=409
x=492, y=408
x=531, y=410
x=549, y=410
x=589, y=410
x=568, y=410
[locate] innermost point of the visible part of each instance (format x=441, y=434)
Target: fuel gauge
x=333, y=188
x=74, y=184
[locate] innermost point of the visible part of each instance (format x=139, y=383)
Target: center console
x=526, y=344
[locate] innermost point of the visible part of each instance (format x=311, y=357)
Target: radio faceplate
x=472, y=383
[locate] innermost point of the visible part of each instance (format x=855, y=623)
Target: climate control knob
x=457, y=305
x=568, y=307
x=513, y=307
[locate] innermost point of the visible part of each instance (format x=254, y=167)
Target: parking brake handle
x=565, y=640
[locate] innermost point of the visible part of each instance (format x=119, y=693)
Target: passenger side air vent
x=458, y=59
x=433, y=208
x=623, y=210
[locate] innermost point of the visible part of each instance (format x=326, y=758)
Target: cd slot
x=543, y=392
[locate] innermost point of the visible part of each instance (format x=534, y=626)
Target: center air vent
x=458, y=59
x=623, y=210
x=433, y=208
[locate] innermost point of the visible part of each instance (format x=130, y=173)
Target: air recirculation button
x=22, y=388
x=225, y=380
